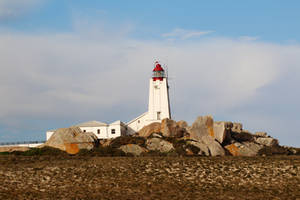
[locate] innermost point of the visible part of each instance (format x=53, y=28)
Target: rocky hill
x=204, y=137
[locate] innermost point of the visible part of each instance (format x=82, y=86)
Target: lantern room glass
x=158, y=74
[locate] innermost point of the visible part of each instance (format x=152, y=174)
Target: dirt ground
x=79, y=177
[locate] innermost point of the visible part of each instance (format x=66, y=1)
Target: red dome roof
x=158, y=67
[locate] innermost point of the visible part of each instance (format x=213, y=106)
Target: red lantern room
x=158, y=72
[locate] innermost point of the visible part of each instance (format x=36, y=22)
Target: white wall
x=158, y=102
x=49, y=134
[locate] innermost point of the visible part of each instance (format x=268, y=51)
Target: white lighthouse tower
x=159, y=104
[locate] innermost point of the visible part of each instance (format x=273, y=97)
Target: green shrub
x=40, y=152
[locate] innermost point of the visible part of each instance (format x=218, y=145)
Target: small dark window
x=158, y=115
x=98, y=131
x=113, y=131
x=84, y=131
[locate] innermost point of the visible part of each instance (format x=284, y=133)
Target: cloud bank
x=86, y=76
x=14, y=8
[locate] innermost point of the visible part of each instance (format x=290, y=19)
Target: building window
x=158, y=115
x=98, y=131
x=84, y=131
x=113, y=131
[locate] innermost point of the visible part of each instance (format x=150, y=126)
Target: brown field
x=87, y=177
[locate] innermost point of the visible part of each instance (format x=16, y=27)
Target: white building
x=158, y=109
x=100, y=129
x=159, y=104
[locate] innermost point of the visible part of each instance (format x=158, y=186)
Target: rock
x=156, y=135
x=214, y=147
x=203, y=126
x=169, y=128
x=133, y=149
x=237, y=127
x=157, y=144
x=222, y=130
x=244, y=149
x=146, y=131
x=243, y=136
x=182, y=124
x=72, y=140
x=201, y=146
x=266, y=141
x=261, y=134
x=124, y=140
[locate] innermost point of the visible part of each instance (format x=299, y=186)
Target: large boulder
x=134, y=149
x=244, y=149
x=169, y=128
x=146, y=131
x=214, y=147
x=72, y=140
x=203, y=126
x=237, y=127
x=261, y=134
x=267, y=141
x=157, y=144
x=203, y=148
x=222, y=130
x=182, y=124
x=243, y=136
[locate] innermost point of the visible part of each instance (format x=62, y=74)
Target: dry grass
x=86, y=177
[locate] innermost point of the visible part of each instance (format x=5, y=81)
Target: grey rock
x=214, y=147
x=72, y=140
x=146, y=131
x=261, y=134
x=133, y=149
x=244, y=149
x=201, y=146
x=267, y=141
x=222, y=130
x=237, y=127
x=169, y=128
x=157, y=144
x=203, y=126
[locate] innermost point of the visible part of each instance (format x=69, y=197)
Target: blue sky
x=64, y=62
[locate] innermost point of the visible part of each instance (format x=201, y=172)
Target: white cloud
x=248, y=38
x=105, y=77
x=14, y=8
x=183, y=34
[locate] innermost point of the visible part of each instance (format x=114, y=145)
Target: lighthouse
x=159, y=103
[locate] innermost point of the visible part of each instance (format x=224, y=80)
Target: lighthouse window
x=84, y=131
x=98, y=131
x=158, y=115
x=113, y=131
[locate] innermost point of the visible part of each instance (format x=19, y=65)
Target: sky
x=64, y=62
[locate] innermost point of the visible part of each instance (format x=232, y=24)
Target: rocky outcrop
x=182, y=124
x=168, y=128
x=157, y=144
x=72, y=140
x=203, y=126
x=203, y=148
x=243, y=149
x=134, y=149
x=237, y=127
x=146, y=131
x=222, y=130
x=267, y=141
x=261, y=134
